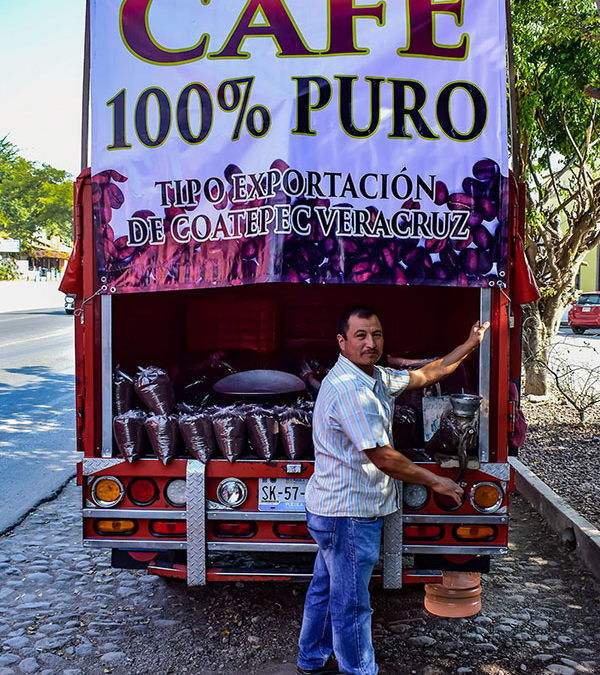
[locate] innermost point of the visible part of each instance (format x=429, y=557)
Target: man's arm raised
x=440, y=368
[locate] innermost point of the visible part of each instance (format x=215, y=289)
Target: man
x=354, y=486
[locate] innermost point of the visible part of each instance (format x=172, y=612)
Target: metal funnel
x=465, y=405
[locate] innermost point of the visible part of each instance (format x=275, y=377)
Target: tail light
x=475, y=532
x=291, y=530
x=175, y=492
x=142, y=491
x=107, y=491
x=486, y=497
x=414, y=496
x=447, y=503
x=421, y=532
x=234, y=529
x=168, y=528
x=106, y=527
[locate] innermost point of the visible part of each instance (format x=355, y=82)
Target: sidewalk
x=24, y=295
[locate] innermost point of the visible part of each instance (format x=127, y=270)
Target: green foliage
x=8, y=269
x=557, y=52
x=34, y=199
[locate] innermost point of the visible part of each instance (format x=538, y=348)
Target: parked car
x=70, y=303
x=585, y=313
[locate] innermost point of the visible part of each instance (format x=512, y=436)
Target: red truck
x=226, y=521
x=222, y=270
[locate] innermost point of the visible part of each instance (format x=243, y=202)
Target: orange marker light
x=115, y=526
x=107, y=491
x=475, y=532
x=486, y=497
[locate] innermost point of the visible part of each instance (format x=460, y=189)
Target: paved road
x=590, y=336
x=37, y=438
x=576, y=360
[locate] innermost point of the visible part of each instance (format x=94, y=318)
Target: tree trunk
x=535, y=352
x=540, y=324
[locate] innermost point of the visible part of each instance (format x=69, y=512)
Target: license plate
x=281, y=494
x=586, y=309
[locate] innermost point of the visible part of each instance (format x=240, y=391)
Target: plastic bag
x=122, y=392
x=263, y=432
x=404, y=426
x=130, y=434
x=229, y=426
x=312, y=372
x=163, y=432
x=307, y=406
x=296, y=433
x=155, y=390
x=206, y=374
x=197, y=431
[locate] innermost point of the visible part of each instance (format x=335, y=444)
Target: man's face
x=363, y=344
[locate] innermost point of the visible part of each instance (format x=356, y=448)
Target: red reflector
x=234, y=529
x=297, y=530
x=142, y=556
x=422, y=531
x=458, y=559
x=172, y=528
x=143, y=491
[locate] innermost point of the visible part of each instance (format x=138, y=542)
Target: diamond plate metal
x=196, y=523
x=392, y=546
x=217, y=506
x=500, y=471
x=96, y=464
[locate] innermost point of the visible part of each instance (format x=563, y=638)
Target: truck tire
x=578, y=330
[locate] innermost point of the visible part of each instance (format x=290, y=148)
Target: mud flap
x=392, y=547
x=196, y=522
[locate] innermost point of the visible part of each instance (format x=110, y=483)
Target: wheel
x=578, y=330
x=69, y=310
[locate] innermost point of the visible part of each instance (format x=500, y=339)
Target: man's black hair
x=361, y=311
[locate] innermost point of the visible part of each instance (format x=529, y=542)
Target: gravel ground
x=565, y=454
x=63, y=610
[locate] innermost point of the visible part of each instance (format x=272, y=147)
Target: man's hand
x=477, y=333
x=446, y=486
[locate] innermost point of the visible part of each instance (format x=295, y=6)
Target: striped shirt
x=353, y=412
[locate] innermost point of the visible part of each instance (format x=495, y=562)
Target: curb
x=48, y=498
x=574, y=530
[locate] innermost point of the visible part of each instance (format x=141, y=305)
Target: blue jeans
x=337, y=609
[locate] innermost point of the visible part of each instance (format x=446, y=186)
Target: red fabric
x=517, y=437
x=524, y=288
x=72, y=281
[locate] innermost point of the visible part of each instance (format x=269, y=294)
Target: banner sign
x=306, y=141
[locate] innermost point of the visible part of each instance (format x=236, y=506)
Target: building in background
x=588, y=278
x=45, y=259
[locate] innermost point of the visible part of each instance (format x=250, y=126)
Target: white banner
x=236, y=141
